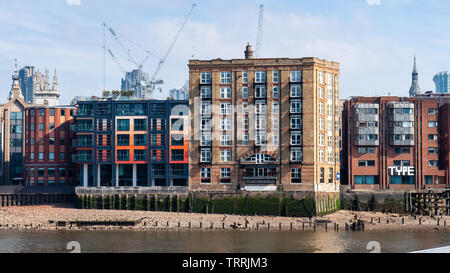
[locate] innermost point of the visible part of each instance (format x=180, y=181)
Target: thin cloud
x=373, y=2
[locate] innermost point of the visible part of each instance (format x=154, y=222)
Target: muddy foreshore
x=63, y=217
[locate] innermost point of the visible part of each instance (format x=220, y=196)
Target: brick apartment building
x=264, y=124
x=132, y=143
x=48, y=146
x=395, y=143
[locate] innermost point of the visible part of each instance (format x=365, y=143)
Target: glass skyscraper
x=442, y=82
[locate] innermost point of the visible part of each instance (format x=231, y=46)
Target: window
x=433, y=163
x=206, y=139
x=225, y=108
x=275, y=92
x=206, y=124
x=321, y=139
x=275, y=139
x=52, y=112
x=244, y=76
x=429, y=180
x=225, y=93
x=296, y=154
x=330, y=111
x=123, y=140
x=244, y=92
x=321, y=123
x=432, y=111
x=322, y=175
x=41, y=126
x=41, y=156
x=366, y=163
x=32, y=156
x=177, y=155
x=123, y=155
x=330, y=175
x=296, y=175
x=140, y=125
x=296, y=138
x=61, y=156
x=51, y=141
x=366, y=179
x=433, y=137
x=296, y=106
x=275, y=107
x=225, y=140
x=62, y=172
x=225, y=155
x=433, y=150
x=296, y=76
x=205, y=155
x=123, y=125
x=401, y=151
x=205, y=77
x=32, y=112
x=320, y=108
x=205, y=175
x=330, y=141
x=225, y=77
x=296, y=90
x=432, y=124
x=260, y=138
x=320, y=76
x=320, y=92
x=275, y=124
x=140, y=155
x=225, y=124
x=225, y=173
x=50, y=172
x=260, y=76
x=63, y=112
x=321, y=156
x=205, y=92
x=366, y=150
x=405, y=180
x=275, y=75
x=41, y=112
x=296, y=122
x=206, y=108
x=141, y=140
x=245, y=140
x=402, y=163
x=260, y=92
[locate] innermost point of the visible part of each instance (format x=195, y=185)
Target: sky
x=374, y=40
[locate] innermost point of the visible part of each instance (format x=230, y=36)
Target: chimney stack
x=248, y=52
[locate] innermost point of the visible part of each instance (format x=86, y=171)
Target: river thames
x=221, y=241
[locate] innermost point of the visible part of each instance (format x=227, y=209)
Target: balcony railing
x=84, y=113
x=82, y=157
x=82, y=143
x=81, y=128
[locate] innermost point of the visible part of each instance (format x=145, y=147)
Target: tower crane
x=149, y=86
x=259, y=34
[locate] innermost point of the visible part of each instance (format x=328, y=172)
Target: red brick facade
x=396, y=161
x=48, y=146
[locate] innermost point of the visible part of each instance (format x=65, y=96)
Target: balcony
x=84, y=113
x=82, y=143
x=82, y=158
x=81, y=128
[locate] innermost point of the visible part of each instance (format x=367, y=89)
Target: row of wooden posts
x=7, y=200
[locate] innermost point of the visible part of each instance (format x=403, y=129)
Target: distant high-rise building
x=442, y=82
x=415, y=89
x=181, y=93
x=26, y=79
x=136, y=80
x=36, y=88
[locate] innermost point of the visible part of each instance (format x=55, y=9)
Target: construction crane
x=259, y=34
x=149, y=85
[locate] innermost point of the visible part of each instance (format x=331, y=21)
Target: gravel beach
x=64, y=217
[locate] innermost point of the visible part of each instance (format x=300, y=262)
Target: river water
x=221, y=241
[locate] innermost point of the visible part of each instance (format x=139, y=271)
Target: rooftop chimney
x=248, y=52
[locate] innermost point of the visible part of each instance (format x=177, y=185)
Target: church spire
x=415, y=89
x=15, y=88
x=55, y=82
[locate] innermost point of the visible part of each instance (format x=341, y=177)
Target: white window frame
x=275, y=92
x=298, y=121
x=260, y=76
x=225, y=140
x=296, y=91
x=205, y=77
x=205, y=155
x=225, y=173
x=225, y=77
x=225, y=92
x=225, y=156
x=225, y=108
x=205, y=173
x=225, y=124
x=321, y=92
x=296, y=106
x=296, y=138
x=275, y=76
x=244, y=76
x=245, y=92
x=205, y=92
x=296, y=154
x=260, y=92
x=296, y=76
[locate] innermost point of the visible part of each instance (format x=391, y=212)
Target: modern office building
x=264, y=124
x=442, y=82
x=394, y=143
x=48, y=146
x=180, y=93
x=27, y=82
x=12, y=135
x=132, y=143
x=137, y=80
